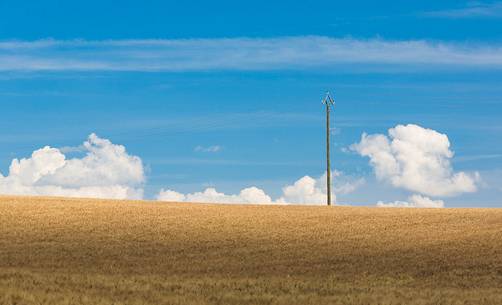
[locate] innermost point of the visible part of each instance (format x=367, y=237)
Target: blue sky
x=163, y=78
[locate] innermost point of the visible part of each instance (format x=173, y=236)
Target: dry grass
x=72, y=251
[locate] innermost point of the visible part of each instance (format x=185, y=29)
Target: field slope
x=75, y=251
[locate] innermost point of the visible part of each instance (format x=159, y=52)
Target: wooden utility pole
x=329, y=102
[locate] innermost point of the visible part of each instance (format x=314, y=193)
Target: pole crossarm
x=329, y=102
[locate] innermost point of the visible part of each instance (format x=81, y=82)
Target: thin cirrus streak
x=304, y=52
x=473, y=10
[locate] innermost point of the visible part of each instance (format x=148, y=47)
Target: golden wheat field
x=76, y=251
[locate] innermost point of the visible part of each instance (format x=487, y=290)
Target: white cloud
x=208, y=149
x=210, y=195
x=415, y=201
x=306, y=190
x=106, y=171
x=416, y=159
x=304, y=52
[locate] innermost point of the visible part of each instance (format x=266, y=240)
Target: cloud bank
x=417, y=159
x=301, y=52
x=409, y=157
x=106, y=171
x=210, y=195
x=306, y=191
x=414, y=201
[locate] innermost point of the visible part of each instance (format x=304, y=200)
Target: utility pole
x=329, y=102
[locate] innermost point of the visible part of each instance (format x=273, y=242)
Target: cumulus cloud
x=414, y=201
x=106, y=171
x=306, y=190
x=417, y=159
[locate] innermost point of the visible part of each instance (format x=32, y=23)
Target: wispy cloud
x=206, y=123
x=472, y=10
x=478, y=157
x=226, y=162
x=72, y=149
x=306, y=52
x=208, y=149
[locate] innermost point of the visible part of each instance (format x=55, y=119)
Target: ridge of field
x=86, y=251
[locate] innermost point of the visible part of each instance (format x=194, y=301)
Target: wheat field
x=78, y=251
